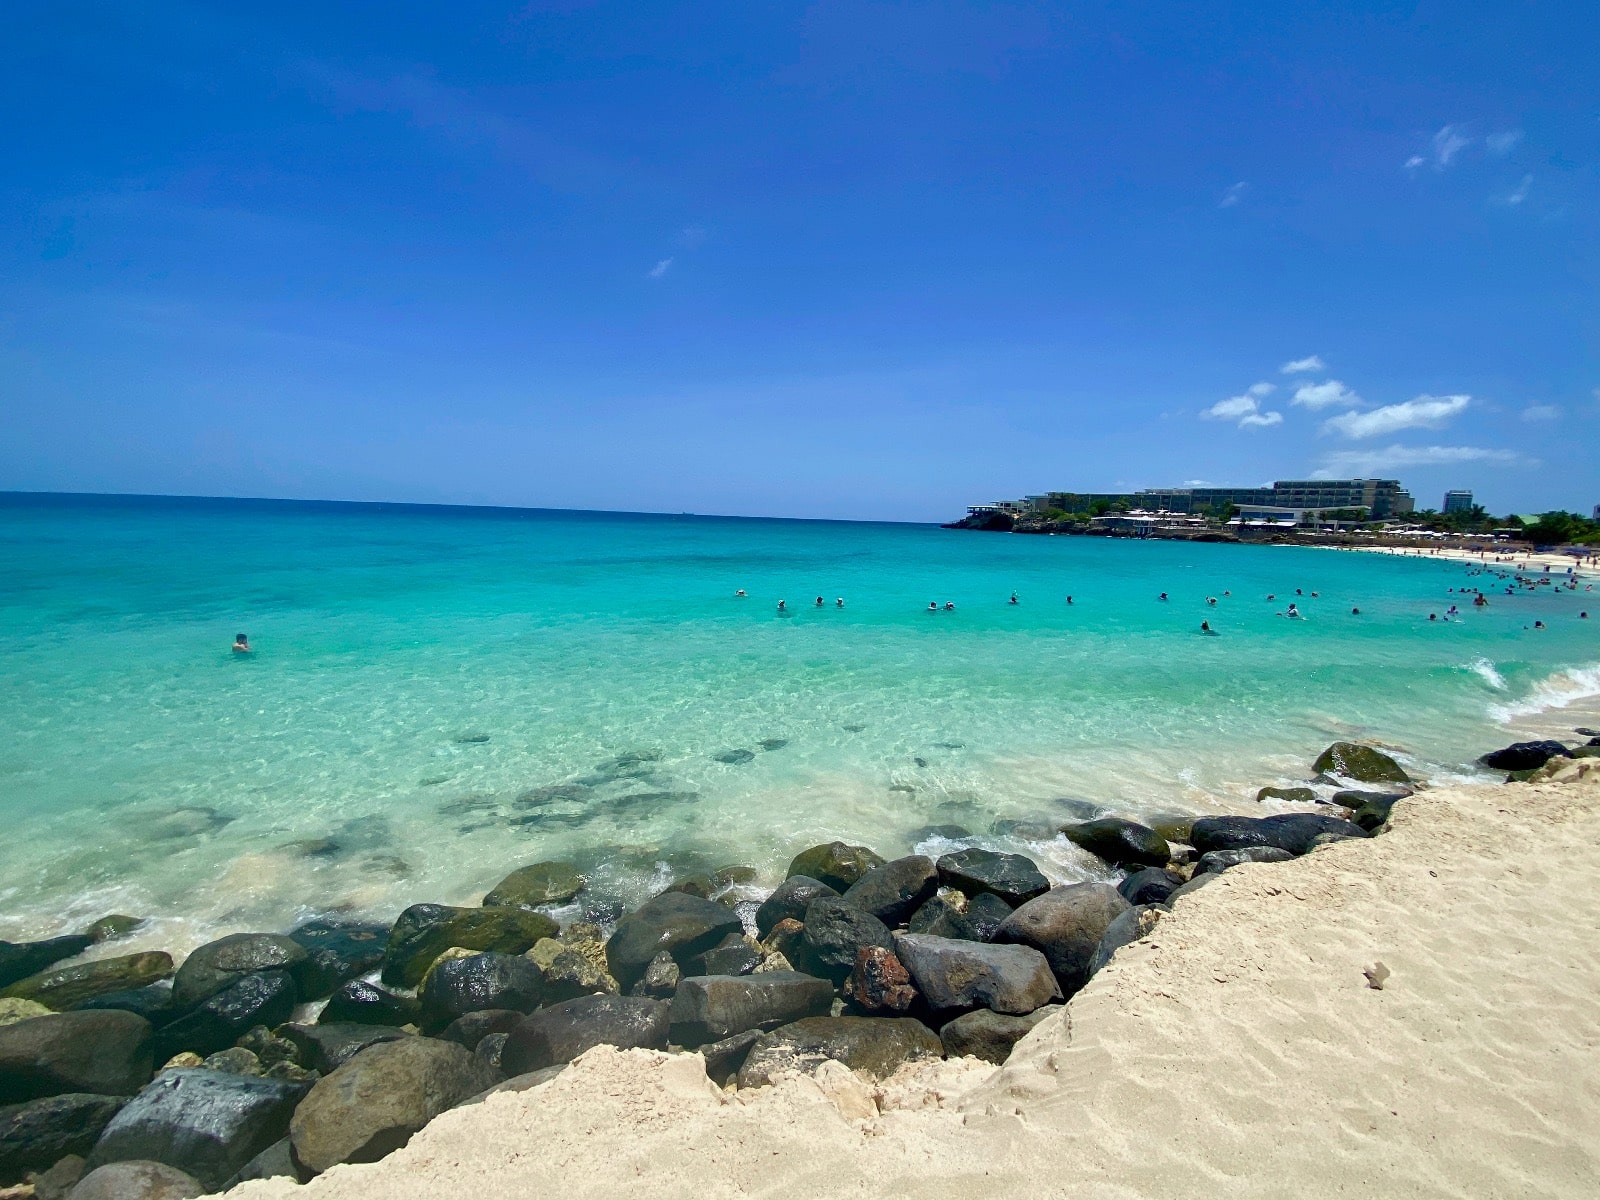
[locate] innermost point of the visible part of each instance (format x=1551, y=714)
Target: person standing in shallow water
x=241, y=644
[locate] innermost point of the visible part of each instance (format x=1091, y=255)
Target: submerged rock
x=105, y=1053
x=1120, y=843
x=709, y=1008
x=60, y=988
x=563, y=1031
x=874, y=1046
x=894, y=890
x=1365, y=764
x=35, y=1135
x=1011, y=877
x=989, y=1035
x=425, y=931
x=1290, y=795
x=790, y=899
x=1066, y=925
x=1286, y=831
x=679, y=924
x=734, y=756
x=536, y=884
x=113, y=926
x=836, y=864
x=956, y=976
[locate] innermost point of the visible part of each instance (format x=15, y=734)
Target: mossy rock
x=836, y=864
x=425, y=931
x=62, y=987
x=13, y=1010
x=1363, y=763
x=114, y=926
x=540, y=883
x=1293, y=795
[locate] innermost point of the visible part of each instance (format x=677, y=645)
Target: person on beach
x=241, y=644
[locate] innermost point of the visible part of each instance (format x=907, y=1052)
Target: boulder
x=136, y=1181
x=58, y=1180
x=326, y=1048
x=59, y=988
x=1129, y=927
x=375, y=1102
x=235, y=1060
x=18, y=960
x=1355, y=798
x=894, y=890
x=106, y=1053
x=1524, y=756
x=879, y=983
x=708, y=1008
x=1152, y=885
x=518, y=1083
x=35, y=1135
x=957, y=976
x=1120, y=843
x=222, y=963
x=361, y=1003
x=734, y=956
x=836, y=864
x=1174, y=826
x=336, y=953
x=1290, y=795
x=563, y=1031
x=1374, y=813
x=1214, y=861
x=1066, y=925
x=569, y=972
x=679, y=924
x=1365, y=764
x=1011, y=877
x=989, y=1035
x=985, y=914
x=790, y=899
x=1286, y=831
x=463, y=985
x=660, y=979
x=112, y=926
x=1194, y=885
x=205, y=1123
x=425, y=931
x=490, y=1050
x=265, y=998
x=471, y=1028
x=540, y=883
x=276, y=1161
x=152, y=1002
x=874, y=1046
x=943, y=918
x=835, y=932
x=12, y=1011
x=723, y=1059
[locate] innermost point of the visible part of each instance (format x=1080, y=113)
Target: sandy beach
x=1238, y=1048
x=1502, y=557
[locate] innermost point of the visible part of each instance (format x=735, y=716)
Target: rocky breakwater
x=285, y=1054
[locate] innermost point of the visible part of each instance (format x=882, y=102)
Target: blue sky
x=834, y=260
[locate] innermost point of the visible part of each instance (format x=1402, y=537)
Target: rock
x=61, y=987
x=106, y=1053
x=471, y=1028
x=1356, y=799
x=835, y=932
x=288, y=1072
x=894, y=890
x=491, y=1049
x=1194, y=885
x=1365, y=764
x=1024, y=830
x=790, y=899
x=660, y=979
x=694, y=885
x=326, y=1048
x=956, y=976
x=336, y=953
x=136, y=1181
x=206, y=1123
x=1120, y=843
x=276, y=1161
x=518, y=1083
x=708, y=1008
x=1066, y=925
x=879, y=983
x=152, y=1002
x=1214, y=861
x=235, y=1060
x=36, y=1134
x=540, y=883
x=874, y=1046
x=1375, y=812
x=268, y=1047
x=463, y=985
x=985, y=914
x=425, y=931
x=1291, y=795
x=220, y=964
x=723, y=1059
x=734, y=756
x=361, y=1003
x=375, y=1102
x=787, y=940
x=1287, y=831
x=1173, y=826
x=60, y=1179
x=1152, y=885
x=18, y=960
x=735, y=956
x=113, y=926
x=563, y=1031
x=681, y=925
x=989, y=1035
x=836, y=864
x=734, y=875
x=265, y=998
x=1013, y=878
x=1129, y=927
x=1524, y=756
x=568, y=972
x=942, y=918
x=12, y=1011
x=180, y=1061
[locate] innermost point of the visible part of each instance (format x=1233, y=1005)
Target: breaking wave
x=1553, y=691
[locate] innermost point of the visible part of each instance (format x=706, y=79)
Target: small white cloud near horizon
x=1358, y=463
x=1197, y=483
x=1261, y=420
x=1233, y=195
x=1541, y=412
x=1415, y=161
x=660, y=269
x=1300, y=366
x=1327, y=394
x=1442, y=147
x=1520, y=193
x=1245, y=409
x=1502, y=144
x=1425, y=412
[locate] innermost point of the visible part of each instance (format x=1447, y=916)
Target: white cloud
x=1261, y=420
x=1425, y=412
x=660, y=269
x=1345, y=463
x=1245, y=409
x=1233, y=195
x=1326, y=394
x=1262, y=389
x=1541, y=412
x=1415, y=161
x=1299, y=366
x=1447, y=143
x=1521, y=192
x=1501, y=144
x=1197, y=483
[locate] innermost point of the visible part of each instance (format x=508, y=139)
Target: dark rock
x=1150, y=886
x=956, y=976
x=361, y=1003
x=153, y=1003
x=114, y=926
x=660, y=978
x=235, y=1060
x=724, y=1058
x=18, y=960
x=1287, y=831
x=1524, y=756
x=540, y=883
x=1365, y=764
x=1066, y=925
x=1013, y=878
x=734, y=875
x=136, y=1181
x=1173, y=826
x=62, y=987
x=206, y=1123
x=893, y=891
x=1027, y=831
x=265, y=998
x=1194, y=885
x=221, y=963
x=949, y=833
x=990, y=1035
x=518, y=1083
x=268, y=1047
x=1129, y=927
x=790, y=899
x=1120, y=843
x=563, y=1031
x=326, y=1048
x=708, y=1008
x=734, y=956
x=1358, y=799
x=425, y=931
x=985, y=914
x=490, y=1050
x=874, y=1046
x=337, y=953
x=734, y=757
x=836, y=864
x=695, y=885
x=573, y=970
x=457, y=986
x=681, y=925
x=1291, y=795
x=106, y=1053
x=471, y=1028
x=1078, y=810
x=835, y=932
x=942, y=918
x=276, y=1161
x=55, y=1182
x=879, y=984
x=373, y=1104
x=788, y=938
x=1214, y=861
x=36, y=1134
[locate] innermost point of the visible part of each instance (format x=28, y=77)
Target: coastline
x=1524, y=560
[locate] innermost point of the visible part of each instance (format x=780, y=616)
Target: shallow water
x=440, y=695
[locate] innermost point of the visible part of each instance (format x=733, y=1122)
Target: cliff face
x=995, y=522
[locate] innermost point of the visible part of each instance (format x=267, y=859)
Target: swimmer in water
x=1205, y=627
x=1014, y=599
x=839, y=603
x=783, y=606
x=1272, y=595
x=1433, y=616
x=1538, y=624
x=1069, y=599
x=933, y=606
x=241, y=645
x=1211, y=600
x=819, y=601
x=1227, y=593
x=1583, y=616
x=949, y=607
x=739, y=595
x=1355, y=612
x=1163, y=596
x=1316, y=595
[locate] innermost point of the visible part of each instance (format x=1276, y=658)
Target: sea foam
x=1558, y=690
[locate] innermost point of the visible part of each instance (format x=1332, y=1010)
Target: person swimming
x=839, y=603
x=783, y=606
x=1538, y=624
x=1069, y=599
x=1481, y=601
x=241, y=645
x=1014, y=599
x=819, y=601
x=1205, y=627
x=1355, y=612
x=1163, y=596
x=949, y=606
x=739, y=595
x=1433, y=616
x=1211, y=600
x=933, y=606
x=1272, y=595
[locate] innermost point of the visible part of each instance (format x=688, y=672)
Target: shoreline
x=1522, y=561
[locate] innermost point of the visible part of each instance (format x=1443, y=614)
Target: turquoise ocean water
x=440, y=695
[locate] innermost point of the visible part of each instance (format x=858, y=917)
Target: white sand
x=1238, y=1051
x=1501, y=557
